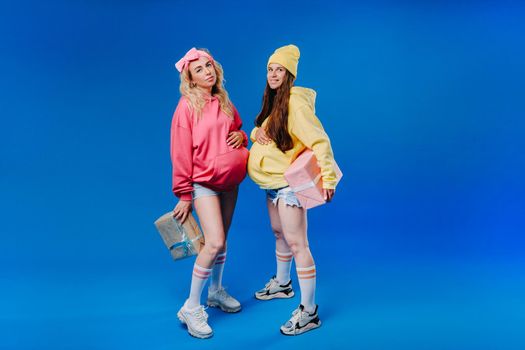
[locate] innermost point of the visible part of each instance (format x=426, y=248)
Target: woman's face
x=276, y=75
x=203, y=73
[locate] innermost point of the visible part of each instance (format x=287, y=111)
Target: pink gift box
x=304, y=178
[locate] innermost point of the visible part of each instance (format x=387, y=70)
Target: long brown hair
x=275, y=105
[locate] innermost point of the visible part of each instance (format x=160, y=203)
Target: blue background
x=422, y=248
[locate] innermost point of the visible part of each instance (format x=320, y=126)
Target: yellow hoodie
x=267, y=163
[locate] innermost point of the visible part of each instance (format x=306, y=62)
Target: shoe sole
x=231, y=311
x=191, y=331
x=278, y=295
x=305, y=329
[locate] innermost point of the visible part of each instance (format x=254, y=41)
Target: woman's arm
x=182, y=152
x=308, y=129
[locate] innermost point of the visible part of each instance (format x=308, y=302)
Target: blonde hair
x=196, y=98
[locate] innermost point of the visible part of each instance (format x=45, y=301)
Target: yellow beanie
x=288, y=57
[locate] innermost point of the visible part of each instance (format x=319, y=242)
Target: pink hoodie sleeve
x=182, y=151
x=238, y=124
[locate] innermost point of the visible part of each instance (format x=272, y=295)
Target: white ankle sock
x=307, y=278
x=216, y=275
x=198, y=280
x=284, y=263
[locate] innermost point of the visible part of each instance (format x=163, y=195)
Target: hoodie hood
x=300, y=96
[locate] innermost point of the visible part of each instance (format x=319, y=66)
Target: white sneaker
x=273, y=289
x=196, y=320
x=301, y=322
x=220, y=298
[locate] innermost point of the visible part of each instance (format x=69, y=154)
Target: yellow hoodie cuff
x=252, y=134
x=329, y=185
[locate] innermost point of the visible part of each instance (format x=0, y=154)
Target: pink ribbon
x=192, y=55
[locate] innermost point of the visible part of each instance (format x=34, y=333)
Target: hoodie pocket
x=271, y=165
x=230, y=168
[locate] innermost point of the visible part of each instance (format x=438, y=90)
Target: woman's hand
x=328, y=194
x=182, y=210
x=261, y=137
x=235, y=139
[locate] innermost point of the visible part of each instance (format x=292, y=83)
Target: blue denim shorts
x=201, y=191
x=284, y=193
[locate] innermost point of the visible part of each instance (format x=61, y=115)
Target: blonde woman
x=209, y=155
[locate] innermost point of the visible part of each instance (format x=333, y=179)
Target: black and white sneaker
x=301, y=322
x=273, y=289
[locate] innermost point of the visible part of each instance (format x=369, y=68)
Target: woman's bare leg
x=210, y=217
x=283, y=254
x=294, y=225
x=227, y=202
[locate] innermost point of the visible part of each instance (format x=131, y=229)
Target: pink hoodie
x=199, y=152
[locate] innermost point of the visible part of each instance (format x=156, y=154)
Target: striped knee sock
x=284, y=263
x=216, y=275
x=307, y=279
x=198, y=280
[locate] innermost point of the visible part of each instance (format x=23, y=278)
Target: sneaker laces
x=201, y=316
x=271, y=282
x=297, y=316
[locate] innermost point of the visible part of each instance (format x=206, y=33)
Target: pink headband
x=192, y=55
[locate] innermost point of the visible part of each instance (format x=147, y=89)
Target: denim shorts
x=284, y=193
x=201, y=191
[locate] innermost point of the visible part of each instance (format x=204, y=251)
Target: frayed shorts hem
x=286, y=194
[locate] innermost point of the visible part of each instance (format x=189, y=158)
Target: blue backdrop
x=422, y=248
